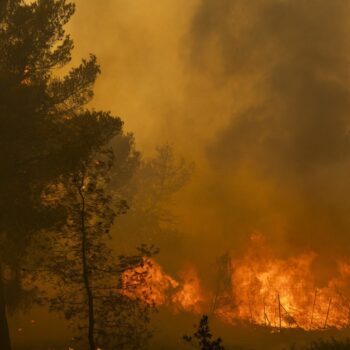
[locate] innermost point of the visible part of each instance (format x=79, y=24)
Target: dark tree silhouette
x=203, y=337
x=80, y=264
x=45, y=132
x=222, y=294
x=154, y=182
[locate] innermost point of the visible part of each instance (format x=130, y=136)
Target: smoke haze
x=255, y=92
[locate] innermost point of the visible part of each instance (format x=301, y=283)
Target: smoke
x=286, y=150
x=255, y=92
x=137, y=44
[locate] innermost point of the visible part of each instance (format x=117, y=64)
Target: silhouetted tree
x=154, y=183
x=222, y=294
x=80, y=263
x=203, y=337
x=45, y=131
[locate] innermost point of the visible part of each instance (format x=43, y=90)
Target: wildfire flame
x=257, y=288
x=158, y=288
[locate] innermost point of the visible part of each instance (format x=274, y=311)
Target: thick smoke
x=284, y=155
x=255, y=92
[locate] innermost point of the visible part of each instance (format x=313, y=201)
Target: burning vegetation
x=160, y=289
x=256, y=288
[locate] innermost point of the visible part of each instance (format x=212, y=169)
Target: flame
x=189, y=297
x=282, y=293
x=257, y=289
x=158, y=288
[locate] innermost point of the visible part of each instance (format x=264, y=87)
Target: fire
x=189, y=296
x=158, y=288
x=282, y=293
x=257, y=288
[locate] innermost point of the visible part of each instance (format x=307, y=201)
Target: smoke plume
x=255, y=92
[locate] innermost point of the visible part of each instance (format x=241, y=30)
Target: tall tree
x=89, y=287
x=223, y=291
x=45, y=131
x=155, y=182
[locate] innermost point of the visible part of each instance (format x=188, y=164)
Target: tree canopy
x=46, y=130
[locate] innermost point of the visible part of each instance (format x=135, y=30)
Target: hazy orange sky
x=139, y=45
x=256, y=93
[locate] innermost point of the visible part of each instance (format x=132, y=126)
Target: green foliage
x=202, y=338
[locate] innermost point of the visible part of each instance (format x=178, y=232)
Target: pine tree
x=154, y=183
x=89, y=288
x=203, y=337
x=45, y=129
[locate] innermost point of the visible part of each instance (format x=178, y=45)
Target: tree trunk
x=86, y=274
x=5, y=343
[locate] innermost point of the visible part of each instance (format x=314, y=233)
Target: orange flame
x=282, y=293
x=157, y=288
x=189, y=296
x=260, y=289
